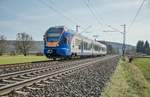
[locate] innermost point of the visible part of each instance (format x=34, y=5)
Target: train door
x=92, y=48
x=82, y=47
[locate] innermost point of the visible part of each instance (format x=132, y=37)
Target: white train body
x=86, y=47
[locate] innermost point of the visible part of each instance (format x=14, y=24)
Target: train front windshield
x=53, y=34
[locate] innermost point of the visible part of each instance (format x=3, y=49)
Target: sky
x=36, y=16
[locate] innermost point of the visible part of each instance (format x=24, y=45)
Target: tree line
x=22, y=44
x=143, y=47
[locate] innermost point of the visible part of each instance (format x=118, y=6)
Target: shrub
x=39, y=54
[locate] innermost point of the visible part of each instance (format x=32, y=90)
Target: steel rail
x=7, y=89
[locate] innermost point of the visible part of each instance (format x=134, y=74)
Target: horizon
x=35, y=17
x=96, y=40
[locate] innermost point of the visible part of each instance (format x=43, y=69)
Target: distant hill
x=118, y=46
x=39, y=46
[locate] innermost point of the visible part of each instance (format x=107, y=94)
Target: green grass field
x=127, y=81
x=20, y=59
x=144, y=66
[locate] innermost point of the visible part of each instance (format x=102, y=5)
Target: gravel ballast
x=84, y=83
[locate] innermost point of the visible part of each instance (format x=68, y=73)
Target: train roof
x=79, y=34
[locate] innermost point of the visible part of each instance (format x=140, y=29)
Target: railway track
x=40, y=76
x=26, y=74
x=9, y=68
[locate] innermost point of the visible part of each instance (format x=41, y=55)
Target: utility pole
x=95, y=36
x=124, y=40
x=124, y=37
x=77, y=28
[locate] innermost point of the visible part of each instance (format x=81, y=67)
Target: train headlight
x=50, y=51
x=57, y=45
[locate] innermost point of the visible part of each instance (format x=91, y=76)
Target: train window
x=79, y=46
x=89, y=46
x=100, y=48
x=55, y=30
x=96, y=48
x=77, y=42
x=53, y=34
x=104, y=49
x=85, y=45
x=65, y=40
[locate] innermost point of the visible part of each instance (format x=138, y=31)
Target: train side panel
x=75, y=46
x=81, y=46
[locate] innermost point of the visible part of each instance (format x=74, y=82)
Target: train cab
x=57, y=42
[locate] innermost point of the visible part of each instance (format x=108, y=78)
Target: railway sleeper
x=9, y=81
x=53, y=79
x=28, y=75
x=37, y=72
x=33, y=73
x=42, y=71
x=16, y=79
x=44, y=82
x=3, y=81
x=38, y=85
x=18, y=93
x=23, y=77
x=2, y=84
x=32, y=88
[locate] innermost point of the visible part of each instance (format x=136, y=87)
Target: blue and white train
x=60, y=42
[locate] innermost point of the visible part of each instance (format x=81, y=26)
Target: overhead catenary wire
x=93, y=13
x=136, y=15
x=64, y=10
x=71, y=15
x=57, y=11
x=73, y=21
x=99, y=17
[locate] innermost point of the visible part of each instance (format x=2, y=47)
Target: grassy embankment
x=20, y=59
x=144, y=66
x=129, y=80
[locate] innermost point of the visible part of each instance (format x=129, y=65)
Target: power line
x=136, y=15
x=124, y=37
x=93, y=10
x=93, y=14
x=58, y=12
x=64, y=10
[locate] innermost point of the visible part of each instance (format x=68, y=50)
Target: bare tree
x=3, y=44
x=23, y=43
